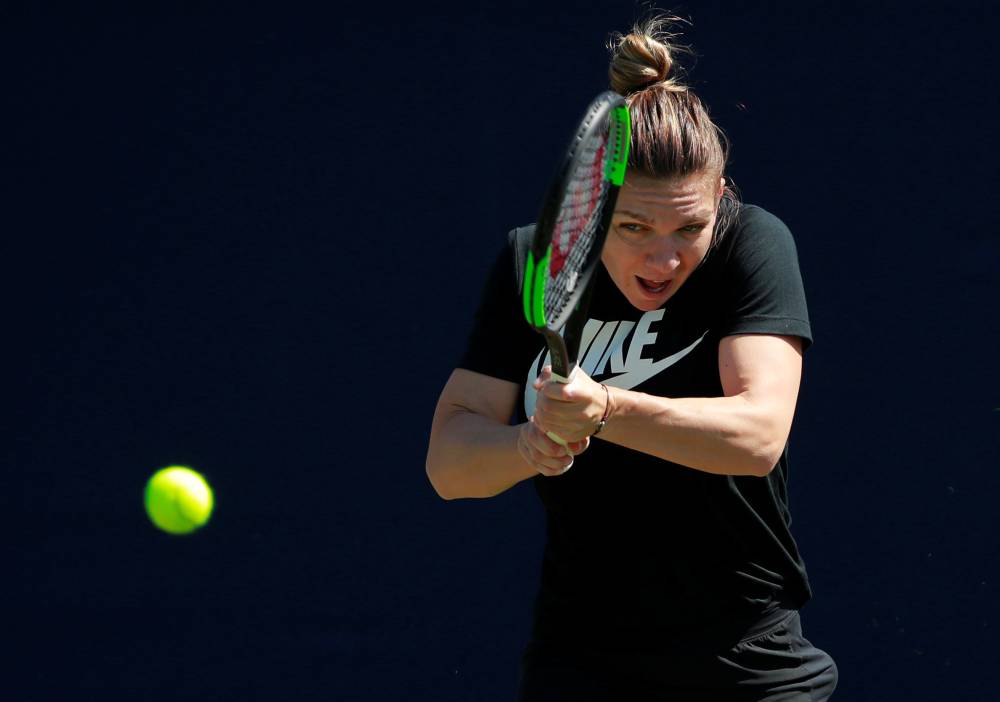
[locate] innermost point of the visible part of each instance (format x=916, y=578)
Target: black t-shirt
x=642, y=551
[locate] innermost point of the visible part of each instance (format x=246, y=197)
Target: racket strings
x=577, y=223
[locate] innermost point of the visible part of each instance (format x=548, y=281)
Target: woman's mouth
x=653, y=287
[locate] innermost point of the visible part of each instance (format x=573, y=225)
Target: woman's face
x=660, y=232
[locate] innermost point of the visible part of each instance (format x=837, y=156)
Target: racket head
x=573, y=223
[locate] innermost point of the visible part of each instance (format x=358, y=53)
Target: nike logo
x=634, y=378
x=604, y=351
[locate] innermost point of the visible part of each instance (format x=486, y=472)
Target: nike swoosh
x=634, y=377
x=626, y=381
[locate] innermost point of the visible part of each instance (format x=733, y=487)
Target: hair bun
x=645, y=57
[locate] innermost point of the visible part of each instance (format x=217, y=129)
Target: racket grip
x=558, y=439
x=552, y=435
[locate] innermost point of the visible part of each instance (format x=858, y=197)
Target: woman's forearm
x=723, y=435
x=474, y=456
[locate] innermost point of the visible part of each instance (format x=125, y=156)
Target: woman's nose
x=663, y=257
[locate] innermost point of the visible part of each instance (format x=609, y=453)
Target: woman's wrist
x=607, y=411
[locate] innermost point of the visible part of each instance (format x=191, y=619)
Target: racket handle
x=552, y=435
x=572, y=374
x=558, y=439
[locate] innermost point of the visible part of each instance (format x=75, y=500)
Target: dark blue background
x=251, y=241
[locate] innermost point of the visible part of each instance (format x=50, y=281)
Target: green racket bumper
x=529, y=279
x=621, y=137
x=533, y=294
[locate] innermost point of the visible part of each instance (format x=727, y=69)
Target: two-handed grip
x=552, y=435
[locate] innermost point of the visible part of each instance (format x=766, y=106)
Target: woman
x=669, y=570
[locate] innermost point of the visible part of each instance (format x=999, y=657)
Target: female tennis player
x=669, y=570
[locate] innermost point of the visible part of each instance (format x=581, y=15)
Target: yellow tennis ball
x=178, y=500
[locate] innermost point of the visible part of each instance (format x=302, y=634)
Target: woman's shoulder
x=753, y=219
x=751, y=230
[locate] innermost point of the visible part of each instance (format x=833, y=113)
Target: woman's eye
x=635, y=230
x=632, y=233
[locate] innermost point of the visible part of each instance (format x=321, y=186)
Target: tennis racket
x=571, y=229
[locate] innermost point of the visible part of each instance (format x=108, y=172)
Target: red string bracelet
x=607, y=408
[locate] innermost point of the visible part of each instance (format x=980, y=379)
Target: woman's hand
x=545, y=455
x=572, y=411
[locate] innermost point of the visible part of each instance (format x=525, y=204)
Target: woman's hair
x=672, y=134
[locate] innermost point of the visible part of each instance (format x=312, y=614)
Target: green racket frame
x=607, y=111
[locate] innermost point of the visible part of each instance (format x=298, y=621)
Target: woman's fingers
x=545, y=455
x=571, y=411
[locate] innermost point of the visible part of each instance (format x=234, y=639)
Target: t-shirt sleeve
x=499, y=335
x=766, y=294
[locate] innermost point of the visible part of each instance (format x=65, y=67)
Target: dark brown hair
x=672, y=134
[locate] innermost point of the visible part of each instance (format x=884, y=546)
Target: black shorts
x=775, y=665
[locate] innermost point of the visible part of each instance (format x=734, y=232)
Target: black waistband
x=767, y=622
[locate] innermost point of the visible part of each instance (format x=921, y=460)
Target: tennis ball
x=178, y=500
